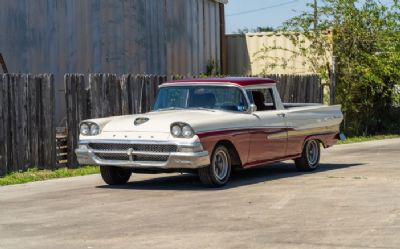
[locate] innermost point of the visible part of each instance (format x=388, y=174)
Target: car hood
x=161, y=121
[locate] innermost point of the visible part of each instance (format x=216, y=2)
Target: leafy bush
x=365, y=39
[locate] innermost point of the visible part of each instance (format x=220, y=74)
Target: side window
x=270, y=100
x=263, y=99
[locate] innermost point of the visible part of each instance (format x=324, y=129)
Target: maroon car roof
x=242, y=81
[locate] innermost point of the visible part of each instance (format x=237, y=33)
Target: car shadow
x=190, y=182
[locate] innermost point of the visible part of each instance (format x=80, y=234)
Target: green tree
x=258, y=29
x=264, y=29
x=366, y=42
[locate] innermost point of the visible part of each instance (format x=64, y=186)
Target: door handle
x=282, y=115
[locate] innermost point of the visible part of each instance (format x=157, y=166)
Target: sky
x=251, y=14
x=260, y=13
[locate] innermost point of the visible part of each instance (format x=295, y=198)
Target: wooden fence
x=109, y=94
x=27, y=129
x=299, y=88
x=106, y=95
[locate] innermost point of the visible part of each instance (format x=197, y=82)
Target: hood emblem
x=139, y=121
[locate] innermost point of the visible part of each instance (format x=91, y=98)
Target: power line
x=261, y=9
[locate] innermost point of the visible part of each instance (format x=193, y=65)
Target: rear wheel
x=218, y=172
x=310, y=156
x=115, y=175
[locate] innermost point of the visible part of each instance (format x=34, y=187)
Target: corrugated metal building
x=252, y=54
x=113, y=36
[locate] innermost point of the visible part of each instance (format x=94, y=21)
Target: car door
x=268, y=140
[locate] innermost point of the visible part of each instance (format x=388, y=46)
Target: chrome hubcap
x=220, y=165
x=312, y=153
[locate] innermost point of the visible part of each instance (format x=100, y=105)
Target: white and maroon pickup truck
x=209, y=127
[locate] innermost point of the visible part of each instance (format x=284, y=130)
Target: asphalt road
x=352, y=201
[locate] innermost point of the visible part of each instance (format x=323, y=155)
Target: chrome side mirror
x=252, y=108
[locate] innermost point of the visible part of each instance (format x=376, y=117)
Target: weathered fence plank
x=105, y=95
x=76, y=99
x=18, y=97
x=48, y=128
x=27, y=129
x=141, y=83
x=34, y=114
x=298, y=88
x=4, y=126
x=124, y=85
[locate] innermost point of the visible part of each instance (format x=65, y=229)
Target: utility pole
x=315, y=14
x=332, y=90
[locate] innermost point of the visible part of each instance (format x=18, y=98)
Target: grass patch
x=351, y=140
x=35, y=174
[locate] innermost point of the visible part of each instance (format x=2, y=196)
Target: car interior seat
x=259, y=100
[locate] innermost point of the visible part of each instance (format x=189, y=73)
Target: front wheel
x=218, y=172
x=310, y=156
x=115, y=175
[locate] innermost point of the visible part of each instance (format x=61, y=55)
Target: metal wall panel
x=244, y=51
x=118, y=36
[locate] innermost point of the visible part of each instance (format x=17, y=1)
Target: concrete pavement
x=352, y=201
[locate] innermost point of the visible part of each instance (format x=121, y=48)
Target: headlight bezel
x=181, y=126
x=188, y=130
x=176, y=130
x=84, y=129
x=93, y=129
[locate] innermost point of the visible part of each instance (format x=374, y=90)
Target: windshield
x=199, y=97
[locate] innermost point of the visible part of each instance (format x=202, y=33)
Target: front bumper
x=176, y=160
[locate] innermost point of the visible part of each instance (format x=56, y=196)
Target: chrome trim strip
x=191, y=83
x=133, y=152
x=277, y=136
x=213, y=83
x=245, y=128
x=176, y=160
x=248, y=128
x=156, y=142
x=259, y=86
x=314, y=131
x=290, y=129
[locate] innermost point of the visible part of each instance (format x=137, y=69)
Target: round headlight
x=176, y=130
x=84, y=129
x=187, y=131
x=94, y=129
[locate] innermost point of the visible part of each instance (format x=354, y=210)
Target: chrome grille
x=125, y=157
x=151, y=158
x=102, y=151
x=136, y=147
x=108, y=156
